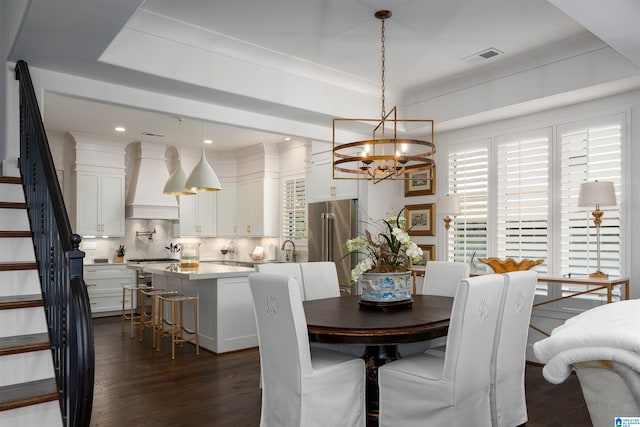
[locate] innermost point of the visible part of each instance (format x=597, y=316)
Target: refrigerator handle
x=328, y=240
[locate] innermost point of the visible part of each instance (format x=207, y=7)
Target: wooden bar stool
x=130, y=312
x=177, y=329
x=151, y=320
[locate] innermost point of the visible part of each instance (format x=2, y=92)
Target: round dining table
x=343, y=320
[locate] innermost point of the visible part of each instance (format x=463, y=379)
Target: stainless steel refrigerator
x=331, y=224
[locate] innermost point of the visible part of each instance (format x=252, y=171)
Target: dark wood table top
x=342, y=320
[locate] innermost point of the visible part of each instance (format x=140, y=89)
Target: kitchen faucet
x=293, y=252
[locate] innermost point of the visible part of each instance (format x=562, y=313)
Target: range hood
x=145, y=199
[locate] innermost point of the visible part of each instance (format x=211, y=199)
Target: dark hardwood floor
x=136, y=386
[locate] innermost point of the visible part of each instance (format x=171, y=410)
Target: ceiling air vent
x=492, y=52
x=157, y=135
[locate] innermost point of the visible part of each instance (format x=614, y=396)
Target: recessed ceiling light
x=208, y=141
x=120, y=129
x=287, y=139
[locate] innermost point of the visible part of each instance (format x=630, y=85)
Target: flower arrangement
x=390, y=251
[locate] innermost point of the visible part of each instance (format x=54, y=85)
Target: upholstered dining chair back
x=320, y=280
x=507, y=395
x=298, y=389
x=442, y=278
x=450, y=389
x=285, y=268
x=471, y=333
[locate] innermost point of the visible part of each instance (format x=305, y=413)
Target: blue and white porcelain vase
x=385, y=287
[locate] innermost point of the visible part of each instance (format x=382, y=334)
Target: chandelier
x=397, y=146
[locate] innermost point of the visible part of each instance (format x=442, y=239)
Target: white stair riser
x=22, y=322
x=19, y=282
x=11, y=193
x=42, y=415
x=23, y=367
x=14, y=219
x=18, y=249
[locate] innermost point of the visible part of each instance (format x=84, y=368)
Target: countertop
x=205, y=271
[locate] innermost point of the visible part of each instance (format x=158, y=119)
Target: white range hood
x=145, y=199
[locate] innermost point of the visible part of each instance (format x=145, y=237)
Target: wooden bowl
x=506, y=265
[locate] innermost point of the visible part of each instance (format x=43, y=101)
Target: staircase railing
x=59, y=264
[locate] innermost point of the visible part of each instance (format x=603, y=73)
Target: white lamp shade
x=597, y=193
x=449, y=204
x=175, y=183
x=202, y=177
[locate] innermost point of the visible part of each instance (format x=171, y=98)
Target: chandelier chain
x=382, y=69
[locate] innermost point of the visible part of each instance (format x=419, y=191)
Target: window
x=590, y=150
x=294, y=204
x=522, y=193
x=528, y=207
x=469, y=179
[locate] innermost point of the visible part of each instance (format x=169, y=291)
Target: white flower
x=361, y=267
x=414, y=252
x=401, y=235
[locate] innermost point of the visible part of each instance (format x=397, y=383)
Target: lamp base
x=598, y=275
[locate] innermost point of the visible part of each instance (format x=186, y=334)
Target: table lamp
x=448, y=205
x=597, y=193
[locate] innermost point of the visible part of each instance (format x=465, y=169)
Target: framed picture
x=420, y=183
x=420, y=219
x=428, y=254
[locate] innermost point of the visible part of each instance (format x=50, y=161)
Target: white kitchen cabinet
x=104, y=287
x=99, y=204
x=258, y=207
x=227, y=210
x=324, y=187
x=197, y=215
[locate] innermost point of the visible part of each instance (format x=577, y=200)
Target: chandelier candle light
x=383, y=157
x=597, y=193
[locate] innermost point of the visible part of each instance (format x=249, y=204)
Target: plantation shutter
x=590, y=150
x=294, y=209
x=469, y=179
x=522, y=196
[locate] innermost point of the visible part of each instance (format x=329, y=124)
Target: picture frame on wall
x=428, y=254
x=420, y=183
x=420, y=219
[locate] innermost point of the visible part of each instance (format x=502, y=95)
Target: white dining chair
x=450, y=389
x=285, y=268
x=320, y=280
x=442, y=277
x=301, y=387
x=507, y=395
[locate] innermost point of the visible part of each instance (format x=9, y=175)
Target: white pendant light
x=176, y=183
x=202, y=177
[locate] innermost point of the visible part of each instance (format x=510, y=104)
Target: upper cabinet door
x=88, y=204
x=227, y=211
x=324, y=187
x=99, y=204
x=112, y=204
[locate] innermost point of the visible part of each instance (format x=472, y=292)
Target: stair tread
x=21, y=301
x=24, y=343
x=10, y=180
x=13, y=205
x=28, y=393
x=15, y=233
x=23, y=265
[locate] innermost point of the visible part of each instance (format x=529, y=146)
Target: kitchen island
x=226, y=317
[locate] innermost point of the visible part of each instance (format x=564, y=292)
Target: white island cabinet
x=226, y=317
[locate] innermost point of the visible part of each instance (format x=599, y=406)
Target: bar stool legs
x=176, y=321
x=134, y=318
x=151, y=320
